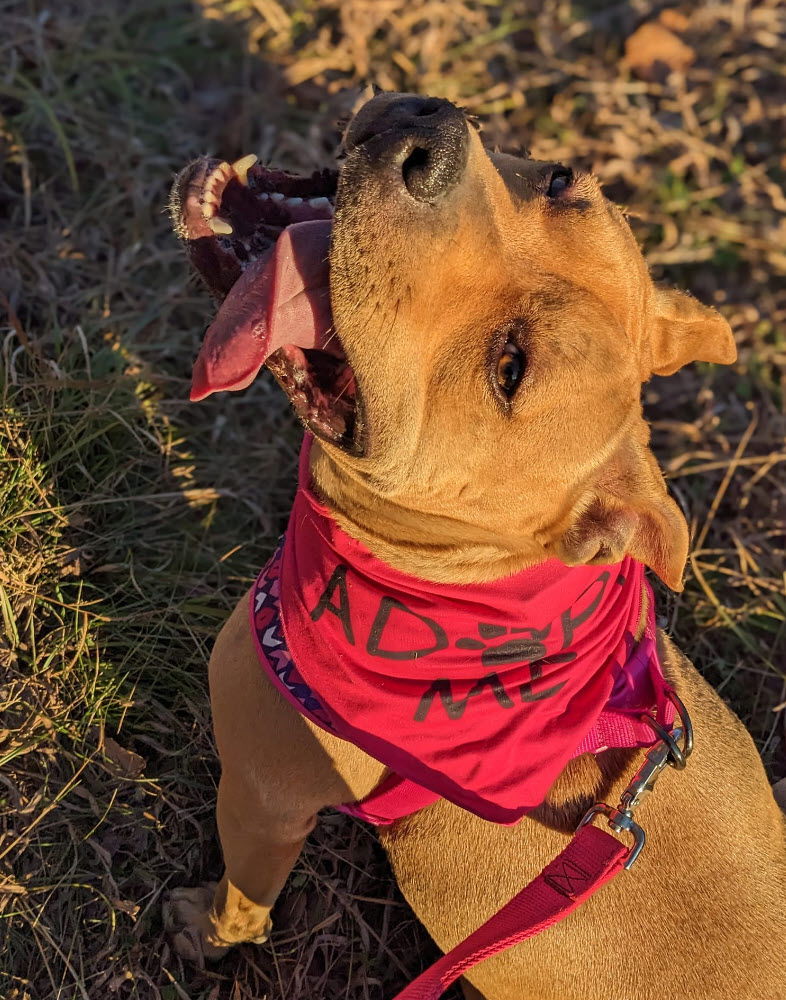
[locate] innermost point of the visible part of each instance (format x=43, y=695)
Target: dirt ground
x=131, y=520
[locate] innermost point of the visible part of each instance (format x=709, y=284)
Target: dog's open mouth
x=260, y=239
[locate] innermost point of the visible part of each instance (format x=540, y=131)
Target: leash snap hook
x=620, y=821
x=643, y=781
x=672, y=749
x=641, y=784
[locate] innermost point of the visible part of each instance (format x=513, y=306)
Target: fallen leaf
x=124, y=763
x=673, y=19
x=653, y=51
x=73, y=562
x=126, y=906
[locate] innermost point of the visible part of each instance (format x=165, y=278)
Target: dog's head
x=466, y=334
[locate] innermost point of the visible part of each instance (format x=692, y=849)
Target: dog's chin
x=259, y=238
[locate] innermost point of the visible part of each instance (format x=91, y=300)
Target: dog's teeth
x=294, y=201
x=277, y=196
x=243, y=165
x=209, y=204
x=264, y=197
x=220, y=226
x=319, y=202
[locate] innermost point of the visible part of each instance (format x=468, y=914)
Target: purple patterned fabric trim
x=272, y=645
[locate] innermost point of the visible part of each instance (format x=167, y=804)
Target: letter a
x=338, y=581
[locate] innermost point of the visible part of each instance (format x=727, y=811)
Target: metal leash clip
x=673, y=748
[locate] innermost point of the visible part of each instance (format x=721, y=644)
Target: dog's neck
x=431, y=546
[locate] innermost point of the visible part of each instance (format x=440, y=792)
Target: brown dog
x=438, y=251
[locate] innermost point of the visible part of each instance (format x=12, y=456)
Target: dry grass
x=130, y=521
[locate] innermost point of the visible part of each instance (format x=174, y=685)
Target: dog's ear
x=628, y=512
x=604, y=533
x=684, y=330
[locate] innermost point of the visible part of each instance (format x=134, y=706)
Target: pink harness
x=480, y=694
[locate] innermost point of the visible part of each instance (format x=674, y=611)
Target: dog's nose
x=426, y=138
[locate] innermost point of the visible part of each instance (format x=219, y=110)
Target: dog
x=464, y=334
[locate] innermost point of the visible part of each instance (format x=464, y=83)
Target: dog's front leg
x=260, y=844
x=260, y=847
x=261, y=832
x=277, y=772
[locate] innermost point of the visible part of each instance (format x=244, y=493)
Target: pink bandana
x=480, y=693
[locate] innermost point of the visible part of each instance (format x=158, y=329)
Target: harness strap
x=590, y=860
x=393, y=798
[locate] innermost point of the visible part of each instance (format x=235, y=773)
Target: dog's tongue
x=282, y=298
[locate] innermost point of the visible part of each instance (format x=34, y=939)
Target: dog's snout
x=425, y=138
x=396, y=113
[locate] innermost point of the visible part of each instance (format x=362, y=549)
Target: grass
x=130, y=521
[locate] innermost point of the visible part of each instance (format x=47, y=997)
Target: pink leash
x=590, y=860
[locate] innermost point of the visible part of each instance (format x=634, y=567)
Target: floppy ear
x=630, y=513
x=684, y=330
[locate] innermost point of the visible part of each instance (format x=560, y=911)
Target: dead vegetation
x=129, y=523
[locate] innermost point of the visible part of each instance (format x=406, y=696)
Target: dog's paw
x=191, y=922
x=187, y=920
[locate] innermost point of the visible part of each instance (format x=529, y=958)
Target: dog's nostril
x=427, y=108
x=414, y=171
x=417, y=159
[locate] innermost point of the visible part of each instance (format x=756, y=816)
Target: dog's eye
x=561, y=180
x=510, y=368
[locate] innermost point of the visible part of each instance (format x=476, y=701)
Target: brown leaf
x=122, y=762
x=72, y=563
x=126, y=906
x=673, y=19
x=653, y=51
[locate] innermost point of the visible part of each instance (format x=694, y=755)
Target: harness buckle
x=673, y=749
